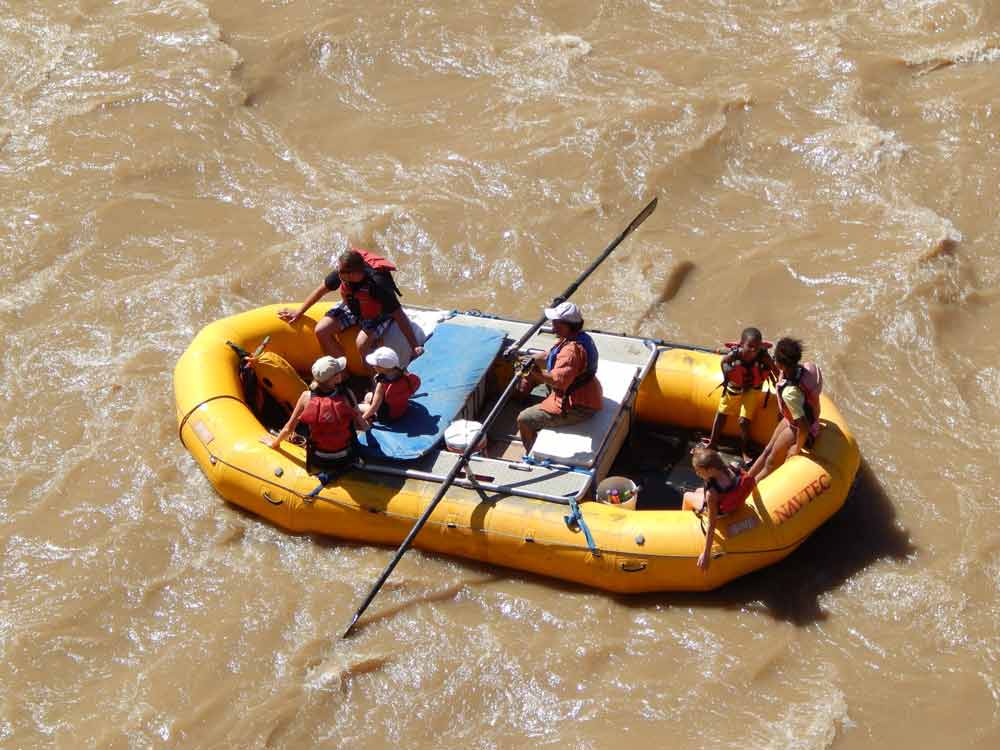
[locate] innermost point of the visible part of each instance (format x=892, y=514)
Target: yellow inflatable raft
x=659, y=398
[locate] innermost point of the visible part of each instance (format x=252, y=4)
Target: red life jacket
x=374, y=261
x=360, y=298
x=742, y=374
x=398, y=392
x=809, y=379
x=732, y=499
x=330, y=419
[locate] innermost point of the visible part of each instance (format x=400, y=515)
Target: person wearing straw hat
x=330, y=412
x=569, y=369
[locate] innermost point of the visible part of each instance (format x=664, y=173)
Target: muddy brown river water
x=825, y=168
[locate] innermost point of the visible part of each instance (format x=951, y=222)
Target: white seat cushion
x=423, y=323
x=577, y=445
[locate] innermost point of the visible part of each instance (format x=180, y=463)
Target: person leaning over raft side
x=330, y=412
x=798, y=402
x=570, y=370
x=370, y=300
x=726, y=489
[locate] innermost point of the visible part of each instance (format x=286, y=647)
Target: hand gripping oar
x=491, y=417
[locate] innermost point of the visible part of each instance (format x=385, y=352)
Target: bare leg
x=775, y=452
x=326, y=333
x=758, y=465
x=694, y=500
x=744, y=438
x=528, y=435
x=366, y=345
x=720, y=420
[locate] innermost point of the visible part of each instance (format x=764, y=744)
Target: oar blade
x=350, y=627
x=643, y=215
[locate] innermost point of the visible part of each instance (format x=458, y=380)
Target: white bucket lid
x=460, y=433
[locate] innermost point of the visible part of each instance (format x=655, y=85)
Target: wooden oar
x=494, y=413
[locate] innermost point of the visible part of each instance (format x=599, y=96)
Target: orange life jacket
x=330, y=418
x=740, y=374
x=360, y=298
x=398, y=392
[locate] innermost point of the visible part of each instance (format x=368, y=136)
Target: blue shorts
x=375, y=327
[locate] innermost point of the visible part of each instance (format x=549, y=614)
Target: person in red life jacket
x=329, y=411
x=725, y=491
x=369, y=299
x=746, y=366
x=393, y=387
x=569, y=369
x=798, y=401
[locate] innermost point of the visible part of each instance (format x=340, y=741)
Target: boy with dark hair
x=746, y=366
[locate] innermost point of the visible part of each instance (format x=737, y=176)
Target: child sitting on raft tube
x=798, y=402
x=393, y=387
x=570, y=370
x=370, y=300
x=330, y=412
x=726, y=489
x=745, y=368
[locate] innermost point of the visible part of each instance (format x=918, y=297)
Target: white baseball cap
x=383, y=357
x=325, y=368
x=565, y=311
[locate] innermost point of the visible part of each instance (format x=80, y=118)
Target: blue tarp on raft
x=454, y=361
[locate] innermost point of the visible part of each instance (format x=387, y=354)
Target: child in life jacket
x=725, y=491
x=330, y=412
x=746, y=366
x=393, y=387
x=798, y=402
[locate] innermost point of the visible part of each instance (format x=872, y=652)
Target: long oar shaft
x=494, y=413
x=445, y=484
x=643, y=215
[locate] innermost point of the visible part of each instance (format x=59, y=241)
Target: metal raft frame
x=547, y=481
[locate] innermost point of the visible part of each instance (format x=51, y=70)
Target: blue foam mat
x=455, y=359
